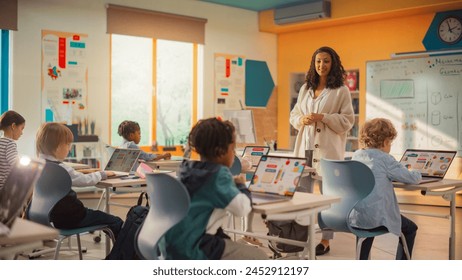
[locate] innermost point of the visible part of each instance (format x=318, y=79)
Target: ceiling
x=257, y=5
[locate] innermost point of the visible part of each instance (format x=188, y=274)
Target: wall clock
x=450, y=30
x=444, y=32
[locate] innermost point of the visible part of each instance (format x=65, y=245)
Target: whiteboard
x=423, y=99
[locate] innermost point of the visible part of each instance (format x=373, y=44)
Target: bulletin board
x=64, y=76
x=229, y=83
x=423, y=99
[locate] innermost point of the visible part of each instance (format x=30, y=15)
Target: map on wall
x=64, y=76
x=229, y=83
x=423, y=99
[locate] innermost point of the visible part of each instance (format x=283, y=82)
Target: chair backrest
x=54, y=184
x=169, y=204
x=18, y=187
x=236, y=168
x=350, y=180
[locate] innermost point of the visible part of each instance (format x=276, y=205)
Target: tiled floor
x=431, y=241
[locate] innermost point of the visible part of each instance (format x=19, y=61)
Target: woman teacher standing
x=322, y=115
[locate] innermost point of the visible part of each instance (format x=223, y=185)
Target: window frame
x=194, y=95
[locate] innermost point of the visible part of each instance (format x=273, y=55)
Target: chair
x=236, y=168
x=54, y=184
x=352, y=181
x=169, y=204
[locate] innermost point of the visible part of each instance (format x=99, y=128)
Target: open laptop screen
x=254, y=153
x=430, y=163
x=277, y=175
x=122, y=160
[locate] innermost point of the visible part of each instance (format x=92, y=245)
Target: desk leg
x=452, y=234
x=311, y=237
x=108, y=240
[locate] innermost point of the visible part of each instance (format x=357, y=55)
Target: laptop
x=17, y=190
x=432, y=164
x=254, y=153
x=275, y=179
x=122, y=161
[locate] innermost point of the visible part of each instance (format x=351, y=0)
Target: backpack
x=124, y=247
x=289, y=230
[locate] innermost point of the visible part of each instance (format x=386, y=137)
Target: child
x=213, y=192
x=53, y=143
x=380, y=208
x=131, y=133
x=12, y=125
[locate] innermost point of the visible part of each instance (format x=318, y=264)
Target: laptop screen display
x=254, y=153
x=430, y=163
x=277, y=175
x=122, y=160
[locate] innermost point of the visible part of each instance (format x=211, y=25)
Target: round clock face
x=450, y=30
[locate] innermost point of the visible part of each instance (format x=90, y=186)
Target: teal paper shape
x=431, y=41
x=259, y=84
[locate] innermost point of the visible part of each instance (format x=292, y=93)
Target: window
x=152, y=84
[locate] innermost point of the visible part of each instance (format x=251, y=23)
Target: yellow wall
x=356, y=42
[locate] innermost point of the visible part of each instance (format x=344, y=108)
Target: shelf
x=87, y=152
x=80, y=158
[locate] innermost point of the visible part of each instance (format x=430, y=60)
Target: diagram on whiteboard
x=423, y=99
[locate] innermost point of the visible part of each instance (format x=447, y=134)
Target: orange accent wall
x=356, y=43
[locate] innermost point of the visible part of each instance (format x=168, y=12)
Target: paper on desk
x=4, y=230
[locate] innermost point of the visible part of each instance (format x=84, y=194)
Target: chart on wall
x=423, y=99
x=64, y=76
x=229, y=83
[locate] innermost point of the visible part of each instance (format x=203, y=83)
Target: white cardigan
x=331, y=132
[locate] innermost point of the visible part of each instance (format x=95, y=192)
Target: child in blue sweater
x=380, y=208
x=131, y=134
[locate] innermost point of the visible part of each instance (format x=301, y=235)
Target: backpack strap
x=140, y=199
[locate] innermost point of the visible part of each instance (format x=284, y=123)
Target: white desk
x=173, y=165
x=77, y=166
x=301, y=205
x=121, y=185
x=447, y=189
x=25, y=235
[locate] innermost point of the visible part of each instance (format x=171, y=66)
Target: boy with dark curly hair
x=213, y=192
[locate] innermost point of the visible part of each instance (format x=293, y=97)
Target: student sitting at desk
x=380, y=208
x=131, y=134
x=53, y=144
x=213, y=192
x=12, y=125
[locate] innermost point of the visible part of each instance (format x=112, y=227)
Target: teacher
x=322, y=115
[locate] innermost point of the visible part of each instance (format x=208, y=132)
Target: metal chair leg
x=405, y=248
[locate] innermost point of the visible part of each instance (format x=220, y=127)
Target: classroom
x=195, y=59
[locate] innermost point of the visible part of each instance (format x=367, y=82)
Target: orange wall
x=356, y=43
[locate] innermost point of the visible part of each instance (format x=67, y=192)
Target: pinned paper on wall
x=229, y=82
x=64, y=75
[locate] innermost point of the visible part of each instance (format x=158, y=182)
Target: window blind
x=152, y=24
x=9, y=14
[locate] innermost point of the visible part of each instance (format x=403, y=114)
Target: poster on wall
x=229, y=83
x=64, y=76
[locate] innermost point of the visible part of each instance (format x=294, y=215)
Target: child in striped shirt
x=12, y=124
